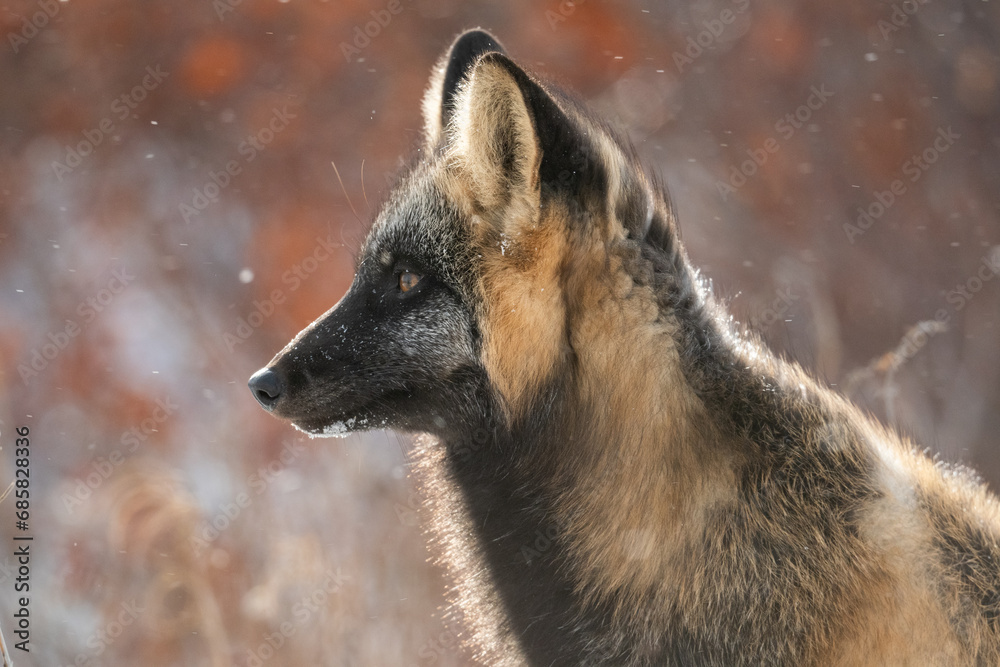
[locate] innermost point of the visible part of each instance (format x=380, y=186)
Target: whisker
x=346, y=196
x=365, y=194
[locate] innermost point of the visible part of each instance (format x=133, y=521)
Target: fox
x=614, y=471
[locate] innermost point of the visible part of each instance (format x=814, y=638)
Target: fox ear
x=447, y=78
x=497, y=124
x=492, y=137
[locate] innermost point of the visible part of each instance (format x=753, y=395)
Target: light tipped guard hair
x=446, y=77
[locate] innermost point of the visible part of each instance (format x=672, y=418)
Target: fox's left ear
x=448, y=76
x=510, y=138
x=493, y=139
x=502, y=129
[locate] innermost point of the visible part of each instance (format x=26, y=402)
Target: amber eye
x=408, y=280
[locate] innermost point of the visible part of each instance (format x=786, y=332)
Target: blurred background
x=170, y=217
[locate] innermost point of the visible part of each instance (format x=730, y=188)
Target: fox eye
x=408, y=280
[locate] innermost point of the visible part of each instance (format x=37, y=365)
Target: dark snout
x=313, y=380
x=377, y=359
x=267, y=387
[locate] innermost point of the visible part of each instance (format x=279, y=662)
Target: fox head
x=481, y=283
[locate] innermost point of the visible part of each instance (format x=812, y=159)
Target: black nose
x=266, y=386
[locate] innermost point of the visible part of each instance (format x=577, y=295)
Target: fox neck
x=582, y=507
x=635, y=457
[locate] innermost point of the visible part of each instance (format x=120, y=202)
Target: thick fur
x=614, y=474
